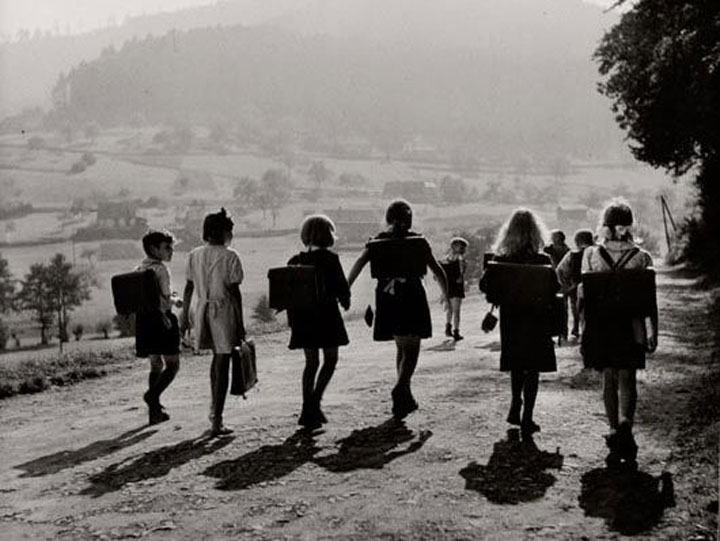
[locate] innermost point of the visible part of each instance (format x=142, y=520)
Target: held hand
x=652, y=343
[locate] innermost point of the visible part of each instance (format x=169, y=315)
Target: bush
x=104, y=327
x=262, y=311
x=4, y=335
x=77, y=167
x=77, y=330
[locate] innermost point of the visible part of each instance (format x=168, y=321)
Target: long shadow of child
x=515, y=472
x=630, y=501
x=373, y=447
x=267, y=463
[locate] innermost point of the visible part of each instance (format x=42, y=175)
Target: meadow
x=125, y=168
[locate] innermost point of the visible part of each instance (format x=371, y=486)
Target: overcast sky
x=77, y=16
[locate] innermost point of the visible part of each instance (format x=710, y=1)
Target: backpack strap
x=626, y=257
x=606, y=257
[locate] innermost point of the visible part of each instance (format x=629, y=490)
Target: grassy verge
x=35, y=375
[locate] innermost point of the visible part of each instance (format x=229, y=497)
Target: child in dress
x=157, y=336
x=526, y=345
x=454, y=266
x=319, y=327
x=402, y=311
x=622, y=354
x=557, y=249
x=569, y=272
x=214, y=272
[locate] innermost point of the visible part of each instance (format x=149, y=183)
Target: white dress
x=218, y=316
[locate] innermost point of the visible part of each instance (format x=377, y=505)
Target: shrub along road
x=78, y=462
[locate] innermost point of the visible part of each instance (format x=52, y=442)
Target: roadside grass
x=37, y=374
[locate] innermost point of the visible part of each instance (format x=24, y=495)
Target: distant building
x=419, y=150
x=415, y=191
x=354, y=225
x=117, y=214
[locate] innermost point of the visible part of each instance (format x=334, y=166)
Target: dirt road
x=78, y=462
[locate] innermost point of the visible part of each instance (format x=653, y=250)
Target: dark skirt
x=401, y=309
x=455, y=281
x=612, y=344
x=526, y=339
x=152, y=337
x=317, y=327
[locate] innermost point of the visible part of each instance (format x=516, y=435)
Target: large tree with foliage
x=7, y=286
x=661, y=68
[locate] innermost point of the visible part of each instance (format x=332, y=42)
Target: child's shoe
x=627, y=447
x=157, y=416
x=614, y=457
x=528, y=427
x=456, y=335
x=403, y=403
x=448, y=330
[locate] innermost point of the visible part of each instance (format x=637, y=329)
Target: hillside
x=489, y=77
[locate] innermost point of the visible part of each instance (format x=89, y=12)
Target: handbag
x=490, y=320
x=244, y=368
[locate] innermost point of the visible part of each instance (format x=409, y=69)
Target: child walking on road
x=401, y=306
x=157, y=336
x=454, y=267
x=321, y=326
x=214, y=272
x=618, y=346
x=569, y=272
x=525, y=329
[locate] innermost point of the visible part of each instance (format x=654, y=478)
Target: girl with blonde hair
x=525, y=330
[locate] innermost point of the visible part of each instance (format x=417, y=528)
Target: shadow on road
x=154, y=464
x=372, y=448
x=515, y=472
x=267, y=463
x=445, y=345
x=56, y=462
x=631, y=502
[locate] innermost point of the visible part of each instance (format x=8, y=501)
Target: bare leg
x=330, y=358
x=610, y=397
x=575, y=313
x=530, y=391
x=627, y=386
x=172, y=365
x=312, y=363
x=156, y=368
x=410, y=346
x=517, y=378
x=219, y=379
x=456, y=303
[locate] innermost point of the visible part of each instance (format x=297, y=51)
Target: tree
x=67, y=290
x=7, y=292
x=318, y=173
x=661, y=64
x=274, y=192
x=7, y=286
x=35, y=297
x=247, y=190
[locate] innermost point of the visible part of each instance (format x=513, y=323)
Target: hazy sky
x=81, y=15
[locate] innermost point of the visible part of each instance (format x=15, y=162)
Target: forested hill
x=524, y=80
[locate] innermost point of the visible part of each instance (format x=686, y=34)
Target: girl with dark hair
x=526, y=345
x=402, y=311
x=320, y=326
x=214, y=272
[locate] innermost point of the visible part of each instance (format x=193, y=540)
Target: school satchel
x=244, y=368
x=619, y=291
x=135, y=292
x=295, y=286
x=404, y=257
x=520, y=284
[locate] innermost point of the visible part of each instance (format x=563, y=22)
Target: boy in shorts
x=157, y=335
